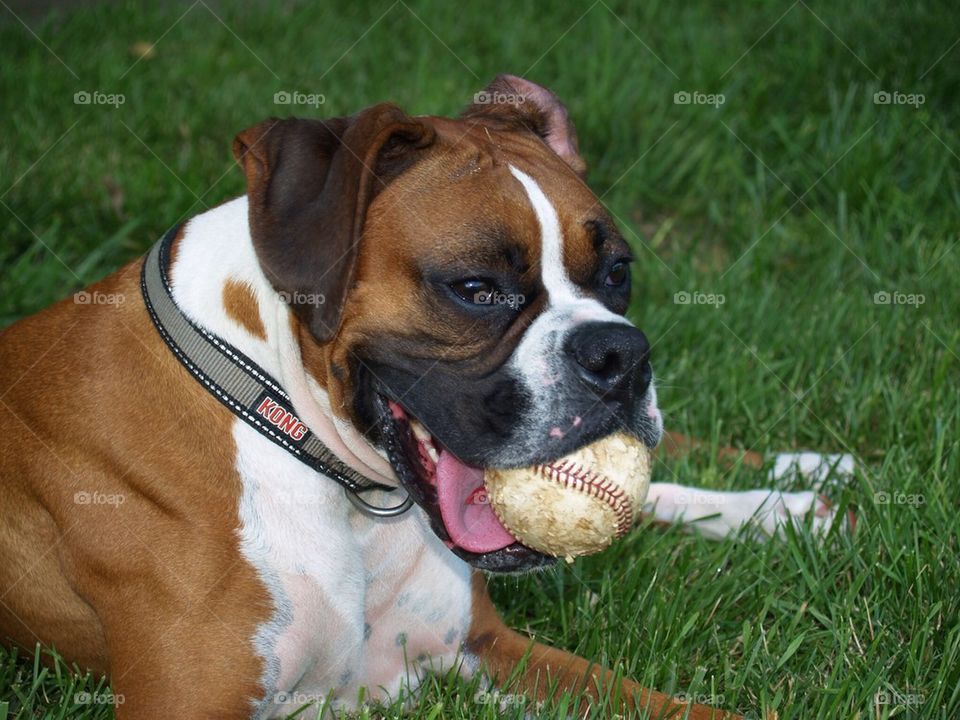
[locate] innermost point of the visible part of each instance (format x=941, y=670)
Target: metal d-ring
x=378, y=512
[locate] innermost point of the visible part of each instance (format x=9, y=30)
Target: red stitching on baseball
x=571, y=474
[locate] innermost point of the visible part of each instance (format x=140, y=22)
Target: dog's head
x=457, y=289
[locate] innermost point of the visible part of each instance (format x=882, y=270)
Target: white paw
x=719, y=514
x=779, y=509
x=817, y=469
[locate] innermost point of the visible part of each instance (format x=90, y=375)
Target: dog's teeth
x=432, y=452
x=419, y=431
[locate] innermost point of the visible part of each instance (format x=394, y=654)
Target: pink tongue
x=470, y=521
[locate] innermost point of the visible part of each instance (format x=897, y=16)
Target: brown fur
x=123, y=589
x=502, y=651
x=408, y=228
x=518, y=104
x=175, y=245
x=241, y=305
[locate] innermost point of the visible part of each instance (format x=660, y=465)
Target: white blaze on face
x=564, y=297
x=538, y=359
x=552, y=270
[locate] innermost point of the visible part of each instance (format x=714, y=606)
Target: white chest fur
x=356, y=603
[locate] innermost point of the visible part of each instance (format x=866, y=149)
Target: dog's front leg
x=717, y=514
x=535, y=673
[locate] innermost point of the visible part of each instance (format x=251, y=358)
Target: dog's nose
x=611, y=358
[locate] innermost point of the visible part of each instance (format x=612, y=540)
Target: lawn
x=805, y=202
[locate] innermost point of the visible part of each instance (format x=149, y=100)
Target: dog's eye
x=474, y=290
x=618, y=274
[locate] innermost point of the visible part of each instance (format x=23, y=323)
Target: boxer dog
x=418, y=298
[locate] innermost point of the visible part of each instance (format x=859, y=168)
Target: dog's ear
x=512, y=103
x=309, y=185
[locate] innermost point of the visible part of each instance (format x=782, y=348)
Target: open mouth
x=453, y=495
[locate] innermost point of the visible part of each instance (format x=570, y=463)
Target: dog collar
x=242, y=386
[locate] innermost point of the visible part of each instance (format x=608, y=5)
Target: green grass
x=798, y=356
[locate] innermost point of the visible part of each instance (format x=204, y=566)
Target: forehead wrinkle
x=604, y=232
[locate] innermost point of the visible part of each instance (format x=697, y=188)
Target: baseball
x=576, y=505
